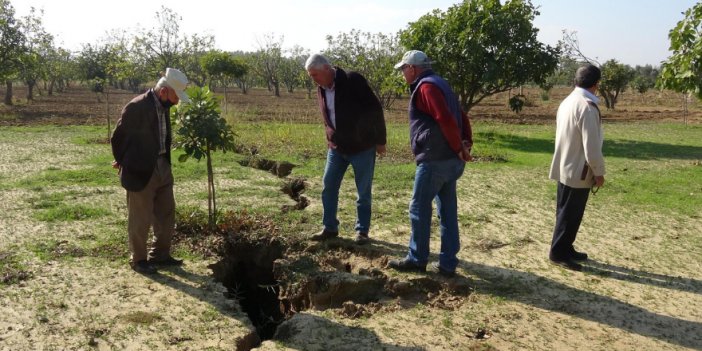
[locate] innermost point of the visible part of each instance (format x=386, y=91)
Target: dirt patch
x=11, y=270
x=277, y=168
x=294, y=188
x=275, y=277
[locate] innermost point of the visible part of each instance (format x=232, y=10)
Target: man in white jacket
x=578, y=164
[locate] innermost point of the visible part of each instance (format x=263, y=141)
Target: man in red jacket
x=355, y=129
x=141, y=146
x=441, y=139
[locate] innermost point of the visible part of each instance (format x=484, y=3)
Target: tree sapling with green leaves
x=200, y=131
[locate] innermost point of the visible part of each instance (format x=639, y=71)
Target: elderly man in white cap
x=141, y=146
x=441, y=139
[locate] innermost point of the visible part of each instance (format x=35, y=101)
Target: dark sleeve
x=431, y=101
x=120, y=135
x=370, y=105
x=467, y=129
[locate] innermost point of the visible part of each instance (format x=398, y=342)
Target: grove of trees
x=482, y=47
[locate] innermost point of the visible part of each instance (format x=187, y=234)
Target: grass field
x=66, y=283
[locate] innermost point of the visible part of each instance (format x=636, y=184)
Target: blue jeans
x=435, y=180
x=363, y=164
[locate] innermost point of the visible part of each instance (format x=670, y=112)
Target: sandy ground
x=642, y=288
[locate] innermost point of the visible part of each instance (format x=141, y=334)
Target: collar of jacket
x=414, y=84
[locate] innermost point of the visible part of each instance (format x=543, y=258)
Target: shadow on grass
x=550, y=295
x=640, y=150
x=643, y=277
x=245, y=342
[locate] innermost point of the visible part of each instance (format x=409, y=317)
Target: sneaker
x=324, y=235
x=166, y=261
x=436, y=268
x=144, y=267
x=362, y=238
x=568, y=263
x=579, y=256
x=406, y=265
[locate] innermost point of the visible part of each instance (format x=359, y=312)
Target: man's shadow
x=643, y=277
x=548, y=294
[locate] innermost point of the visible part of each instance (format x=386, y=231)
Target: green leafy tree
x=615, y=79
x=37, y=48
x=200, y=131
x=250, y=77
x=483, y=47
x=372, y=55
x=642, y=83
x=682, y=71
x=292, y=73
x=267, y=62
x=61, y=68
x=11, y=47
x=222, y=67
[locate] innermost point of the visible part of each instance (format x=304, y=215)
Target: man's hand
x=116, y=166
x=465, y=154
x=599, y=181
x=380, y=150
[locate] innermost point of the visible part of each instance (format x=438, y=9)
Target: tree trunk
x=211, y=204
x=8, y=92
x=225, y=100
x=50, y=89
x=30, y=91
x=107, y=114
x=276, y=86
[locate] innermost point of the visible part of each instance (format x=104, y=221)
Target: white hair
x=316, y=61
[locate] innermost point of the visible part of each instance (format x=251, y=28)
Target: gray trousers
x=153, y=206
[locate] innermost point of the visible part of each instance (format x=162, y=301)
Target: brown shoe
x=324, y=235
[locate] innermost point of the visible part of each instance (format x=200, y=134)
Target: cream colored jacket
x=579, y=136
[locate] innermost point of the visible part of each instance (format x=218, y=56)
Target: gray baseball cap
x=415, y=58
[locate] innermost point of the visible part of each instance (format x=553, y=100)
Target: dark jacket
x=135, y=141
x=360, y=123
x=427, y=140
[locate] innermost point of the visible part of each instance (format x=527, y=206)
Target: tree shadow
x=643, y=277
x=640, y=150
x=548, y=294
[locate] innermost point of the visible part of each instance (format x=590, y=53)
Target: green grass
x=651, y=166
x=69, y=212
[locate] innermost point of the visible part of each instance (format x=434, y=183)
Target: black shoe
x=166, y=261
x=362, y=238
x=406, y=266
x=436, y=268
x=144, y=267
x=324, y=235
x=568, y=263
x=578, y=256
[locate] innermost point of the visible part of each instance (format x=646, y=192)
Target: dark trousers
x=570, y=207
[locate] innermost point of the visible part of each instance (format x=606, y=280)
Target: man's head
x=171, y=87
x=587, y=76
x=413, y=63
x=320, y=70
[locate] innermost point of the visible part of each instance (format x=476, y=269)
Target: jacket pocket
x=583, y=174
